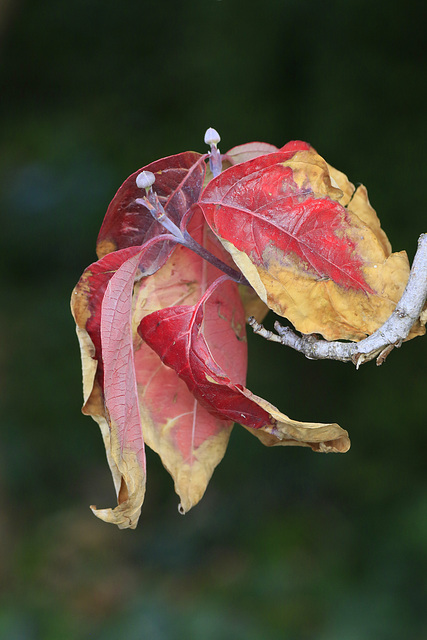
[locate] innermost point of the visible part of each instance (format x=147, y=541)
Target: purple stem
x=152, y=203
x=215, y=161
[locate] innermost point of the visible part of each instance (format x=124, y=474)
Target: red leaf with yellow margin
x=309, y=258
x=200, y=343
x=102, y=304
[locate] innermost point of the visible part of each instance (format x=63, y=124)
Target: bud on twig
x=145, y=180
x=212, y=137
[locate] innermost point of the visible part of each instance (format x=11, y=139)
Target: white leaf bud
x=145, y=179
x=212, y=137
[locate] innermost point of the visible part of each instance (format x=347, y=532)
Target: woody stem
x=379, y=344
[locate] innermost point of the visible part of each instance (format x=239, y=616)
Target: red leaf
x=294, y=146
x=325, y=267
x=177, y=334
x=179, y=181
x=201, y=344
x=258, y=207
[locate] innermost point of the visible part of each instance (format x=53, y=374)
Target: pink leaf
x=126, y=444
x=102, y=308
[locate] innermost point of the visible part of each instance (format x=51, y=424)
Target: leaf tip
x=123, y=518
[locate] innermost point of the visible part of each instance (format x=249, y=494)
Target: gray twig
x=379, y=344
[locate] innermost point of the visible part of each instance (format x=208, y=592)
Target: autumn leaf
x=126, y=443
x=308, y=257
x=200, y=342
x=101, y=304
x=253, y=304
x=178, y=183
x=189, y=440
x=129, y=392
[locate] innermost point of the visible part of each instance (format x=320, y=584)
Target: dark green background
x=286, y=543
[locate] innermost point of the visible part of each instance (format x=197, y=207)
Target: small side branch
x=378, y=345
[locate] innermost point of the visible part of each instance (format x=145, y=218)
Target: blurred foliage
x=286, y=543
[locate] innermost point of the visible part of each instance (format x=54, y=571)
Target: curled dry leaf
x=120, y=396
x=101, y=306
x=201, y=342
x=309, y=258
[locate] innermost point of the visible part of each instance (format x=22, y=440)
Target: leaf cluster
x=191, y=245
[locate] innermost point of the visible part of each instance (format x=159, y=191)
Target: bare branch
x=378, y=345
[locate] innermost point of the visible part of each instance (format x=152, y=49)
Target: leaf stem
x=235, y=275
x=152, y=203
